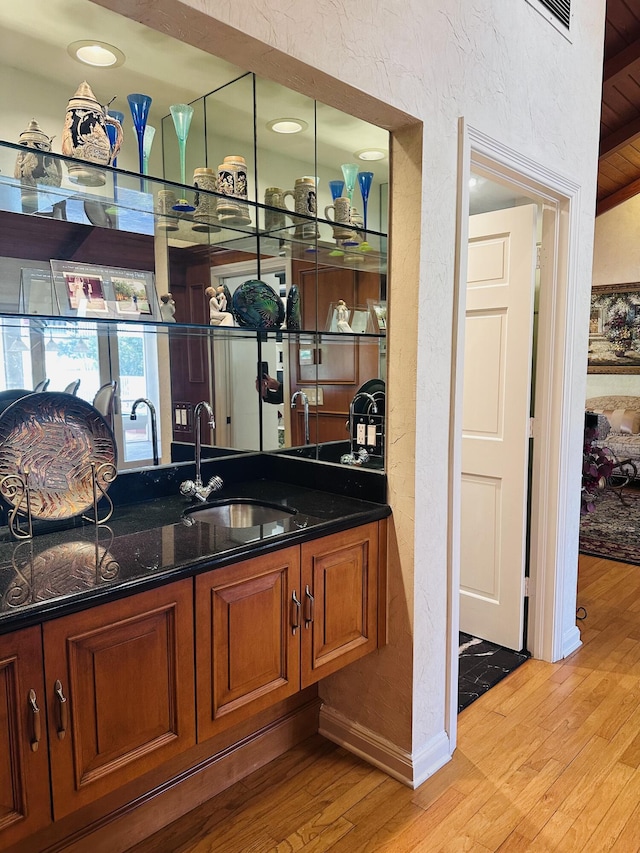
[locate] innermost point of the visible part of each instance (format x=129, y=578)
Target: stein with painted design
x=86, y=139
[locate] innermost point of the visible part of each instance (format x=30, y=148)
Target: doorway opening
x=502, y=295
x=546, y=540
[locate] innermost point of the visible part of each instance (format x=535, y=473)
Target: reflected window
x=137, y=359
x=71, y=353
x=16, y=354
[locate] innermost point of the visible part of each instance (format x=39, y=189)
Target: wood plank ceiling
x=619, y=164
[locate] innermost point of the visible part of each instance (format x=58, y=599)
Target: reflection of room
x=187, y=259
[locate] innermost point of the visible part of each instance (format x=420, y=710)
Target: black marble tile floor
x=481, y=665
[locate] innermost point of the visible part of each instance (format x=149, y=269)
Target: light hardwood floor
x=549, y=759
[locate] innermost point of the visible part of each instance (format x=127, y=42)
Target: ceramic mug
x=205, y=215
x=232, y=182
x=166, y=218
x=341, y=217
x=273, y=219
x=304, y=201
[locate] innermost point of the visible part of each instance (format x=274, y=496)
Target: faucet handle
x=188, y=488
x=215, y=483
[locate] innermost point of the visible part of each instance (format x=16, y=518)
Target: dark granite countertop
x=148, y=543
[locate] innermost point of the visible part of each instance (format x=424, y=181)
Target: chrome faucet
x=196, y=488
x=154, y=424
x=363, y=456
x=305, y=401
x=372, y=400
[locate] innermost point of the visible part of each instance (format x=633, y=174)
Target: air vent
x=561, y=9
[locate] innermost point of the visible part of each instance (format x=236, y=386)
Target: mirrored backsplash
x=269, y=390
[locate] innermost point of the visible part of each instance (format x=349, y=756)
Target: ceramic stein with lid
x=232, y=182
x=34, y=168
x=85, y=137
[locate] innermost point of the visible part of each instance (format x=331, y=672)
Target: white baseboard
x=571, y=641
x=410, y=769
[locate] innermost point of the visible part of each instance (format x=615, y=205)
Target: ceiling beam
x=625, y=135
x=621, y=64
x=618, y=197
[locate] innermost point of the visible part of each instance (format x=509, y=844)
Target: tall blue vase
x=139, y=106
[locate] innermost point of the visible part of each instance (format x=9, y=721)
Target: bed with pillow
x=623, y=416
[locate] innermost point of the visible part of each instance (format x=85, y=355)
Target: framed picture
x=37, y=294
x=131, y=296
x=85, y=293
x=86, y=290
x=378, y=315
x=614, y=329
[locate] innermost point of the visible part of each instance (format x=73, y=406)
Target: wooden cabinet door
x=248, y=644
x=120, y=682
x=25, y=804
x=339, y=600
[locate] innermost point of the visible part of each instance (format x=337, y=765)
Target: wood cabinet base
x=123, y=827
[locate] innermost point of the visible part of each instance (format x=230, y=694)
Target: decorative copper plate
x=56, y=442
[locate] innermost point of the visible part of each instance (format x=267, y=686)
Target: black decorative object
x=294, y=309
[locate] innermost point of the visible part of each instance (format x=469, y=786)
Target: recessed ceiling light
x=96, y=53
x=287, y=125
x=371, y=154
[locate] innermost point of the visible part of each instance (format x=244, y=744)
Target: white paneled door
x=495, y=429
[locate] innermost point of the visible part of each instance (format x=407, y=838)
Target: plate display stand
x=16, y=490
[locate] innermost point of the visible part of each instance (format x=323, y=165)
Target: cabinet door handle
x=295, y=612
x=308, y=607
x=63, y=709
x=35, y=715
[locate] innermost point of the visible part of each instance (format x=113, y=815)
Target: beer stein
x=86, y=139
x=34, y=168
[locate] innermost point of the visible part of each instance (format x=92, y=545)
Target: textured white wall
x=516, y=78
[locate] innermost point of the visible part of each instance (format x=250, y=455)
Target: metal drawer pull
x=35, y=711
x=63, y=709
x=295, y=612
x=309, y=603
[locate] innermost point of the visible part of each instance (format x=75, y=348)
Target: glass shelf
x=132, y=203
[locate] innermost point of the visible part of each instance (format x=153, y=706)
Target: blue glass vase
x=112, y=133
x=364, y=181
x=111, y=130
x=337, y=188
x=139, y=106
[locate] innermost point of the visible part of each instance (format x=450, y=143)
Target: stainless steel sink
x=238, y=512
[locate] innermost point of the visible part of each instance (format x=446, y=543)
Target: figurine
x=343, y=316
x=167, y=308
x=218, y=315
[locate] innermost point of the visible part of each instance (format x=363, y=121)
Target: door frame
x=552, y=632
